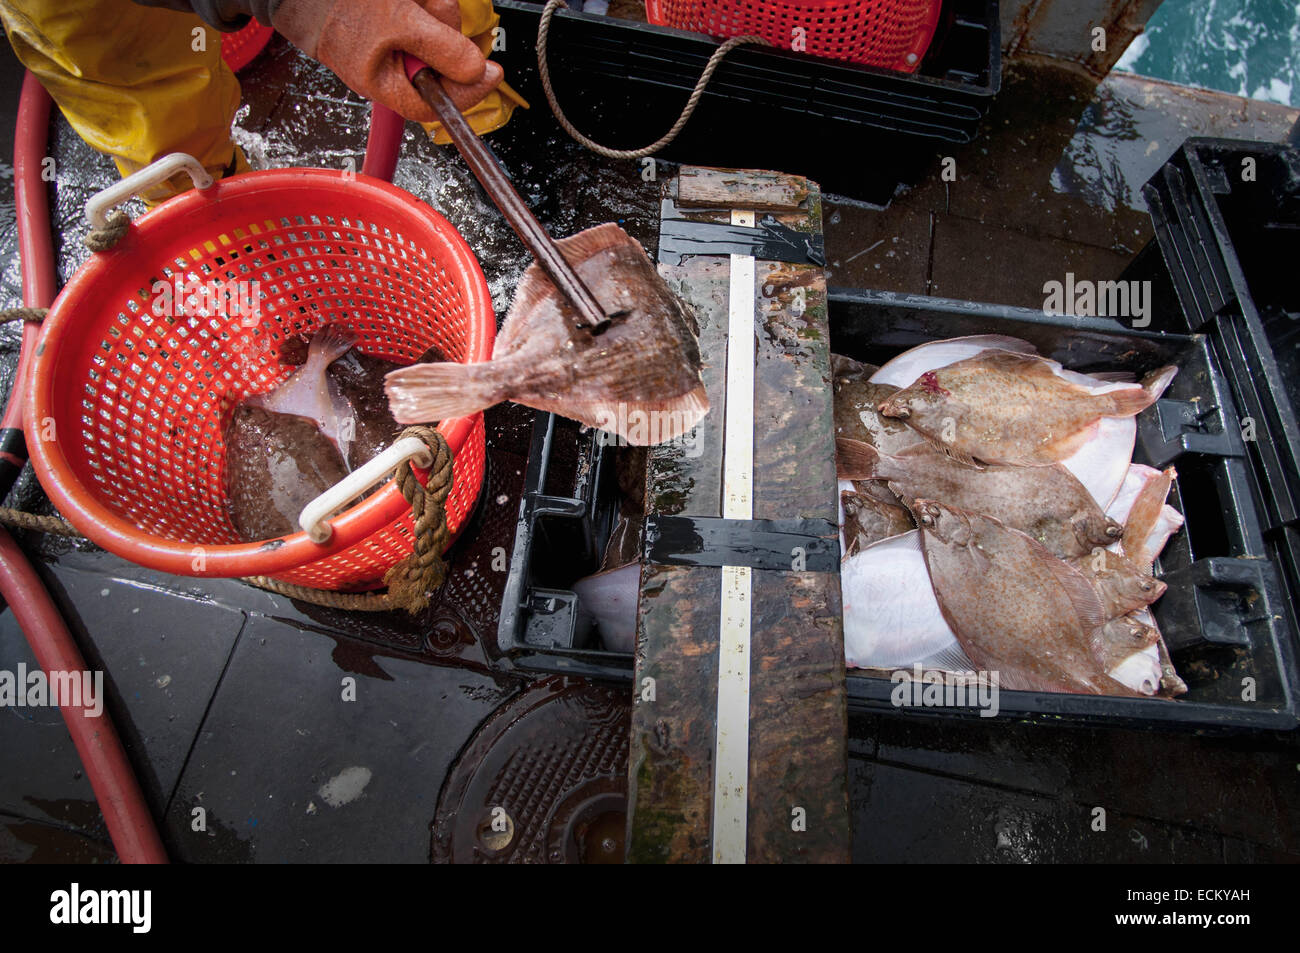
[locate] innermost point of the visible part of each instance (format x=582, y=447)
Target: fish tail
x=1144, y=515
x=855, y=459
x=1134, y=400
x=328, y=345
x=423, y=393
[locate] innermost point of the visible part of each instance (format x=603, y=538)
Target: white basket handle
x=357, y=482
x=101, y=203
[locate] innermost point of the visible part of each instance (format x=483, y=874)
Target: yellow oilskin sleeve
x=134, y=82
x=477, y=20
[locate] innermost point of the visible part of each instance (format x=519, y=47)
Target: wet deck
x=231, y=699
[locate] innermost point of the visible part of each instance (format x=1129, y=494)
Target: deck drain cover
x=544, y=780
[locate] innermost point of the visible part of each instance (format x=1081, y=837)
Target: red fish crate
x=128, y=406
x=892, y=34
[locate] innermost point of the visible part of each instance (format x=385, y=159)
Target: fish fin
x=951, y=452
x=1017, y=362
x=950, y=659
x=1146, y=511
x=1017, y=681
x=855, y=459
x=1114, y=377
x=1081, y=593
x=582, y=245
x=672, y=417
x=1134, y=400
x=532, y=289
x=535, y=285
x=1159, y=380
x=423, y=393
x=1004, y=342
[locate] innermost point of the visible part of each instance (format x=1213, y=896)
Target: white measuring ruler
x=731, y=742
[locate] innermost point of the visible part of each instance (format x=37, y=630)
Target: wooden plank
x=798, y=756
x=794, y=475
x=686, y=478
x=794, y=794
x=670, y=789
x=798, y=797
x=740, y=188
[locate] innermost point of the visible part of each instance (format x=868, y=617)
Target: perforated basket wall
x=140, y=399
x=893, y=34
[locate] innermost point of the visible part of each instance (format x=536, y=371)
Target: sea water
x=1246, y=47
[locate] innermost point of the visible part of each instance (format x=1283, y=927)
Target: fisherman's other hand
x=363, y=44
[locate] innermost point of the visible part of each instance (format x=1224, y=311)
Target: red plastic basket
x=126, y=410
x=893, y=34
x=241, y=47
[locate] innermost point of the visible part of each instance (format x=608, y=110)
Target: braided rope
x=102, y=239
x=30, y=315
x=543, y=31
x=20, y=519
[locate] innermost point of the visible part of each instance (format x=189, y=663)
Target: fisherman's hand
x=363, y=44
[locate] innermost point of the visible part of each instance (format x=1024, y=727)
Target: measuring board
x=738, y=750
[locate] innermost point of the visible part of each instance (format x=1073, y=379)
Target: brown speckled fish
x=275, y=465
x=640, y=378
x=1121, y=638
x=1048, y=503
x=1011, y=408
x=867, y=520
x=857, y=410
x=1014, y=607
x=1121, y=584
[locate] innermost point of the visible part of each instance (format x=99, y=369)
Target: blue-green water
x=1247, y=47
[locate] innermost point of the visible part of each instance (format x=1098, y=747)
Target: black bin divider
x=1225, y=617
x=625, y=82
x=559, y=538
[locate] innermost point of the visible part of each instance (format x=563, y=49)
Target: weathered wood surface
x=797, y=785
x=798, y=759
x=742, y=188
x=685, y=479
x=670, y=770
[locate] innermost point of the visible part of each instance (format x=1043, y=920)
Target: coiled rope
x=543, y=32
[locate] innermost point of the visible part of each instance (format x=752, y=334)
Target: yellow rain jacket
x=477, y=21
x=138, y=83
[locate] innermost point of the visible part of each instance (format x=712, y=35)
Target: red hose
x=383, y=143
x=39, y=281
x=130, y=825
